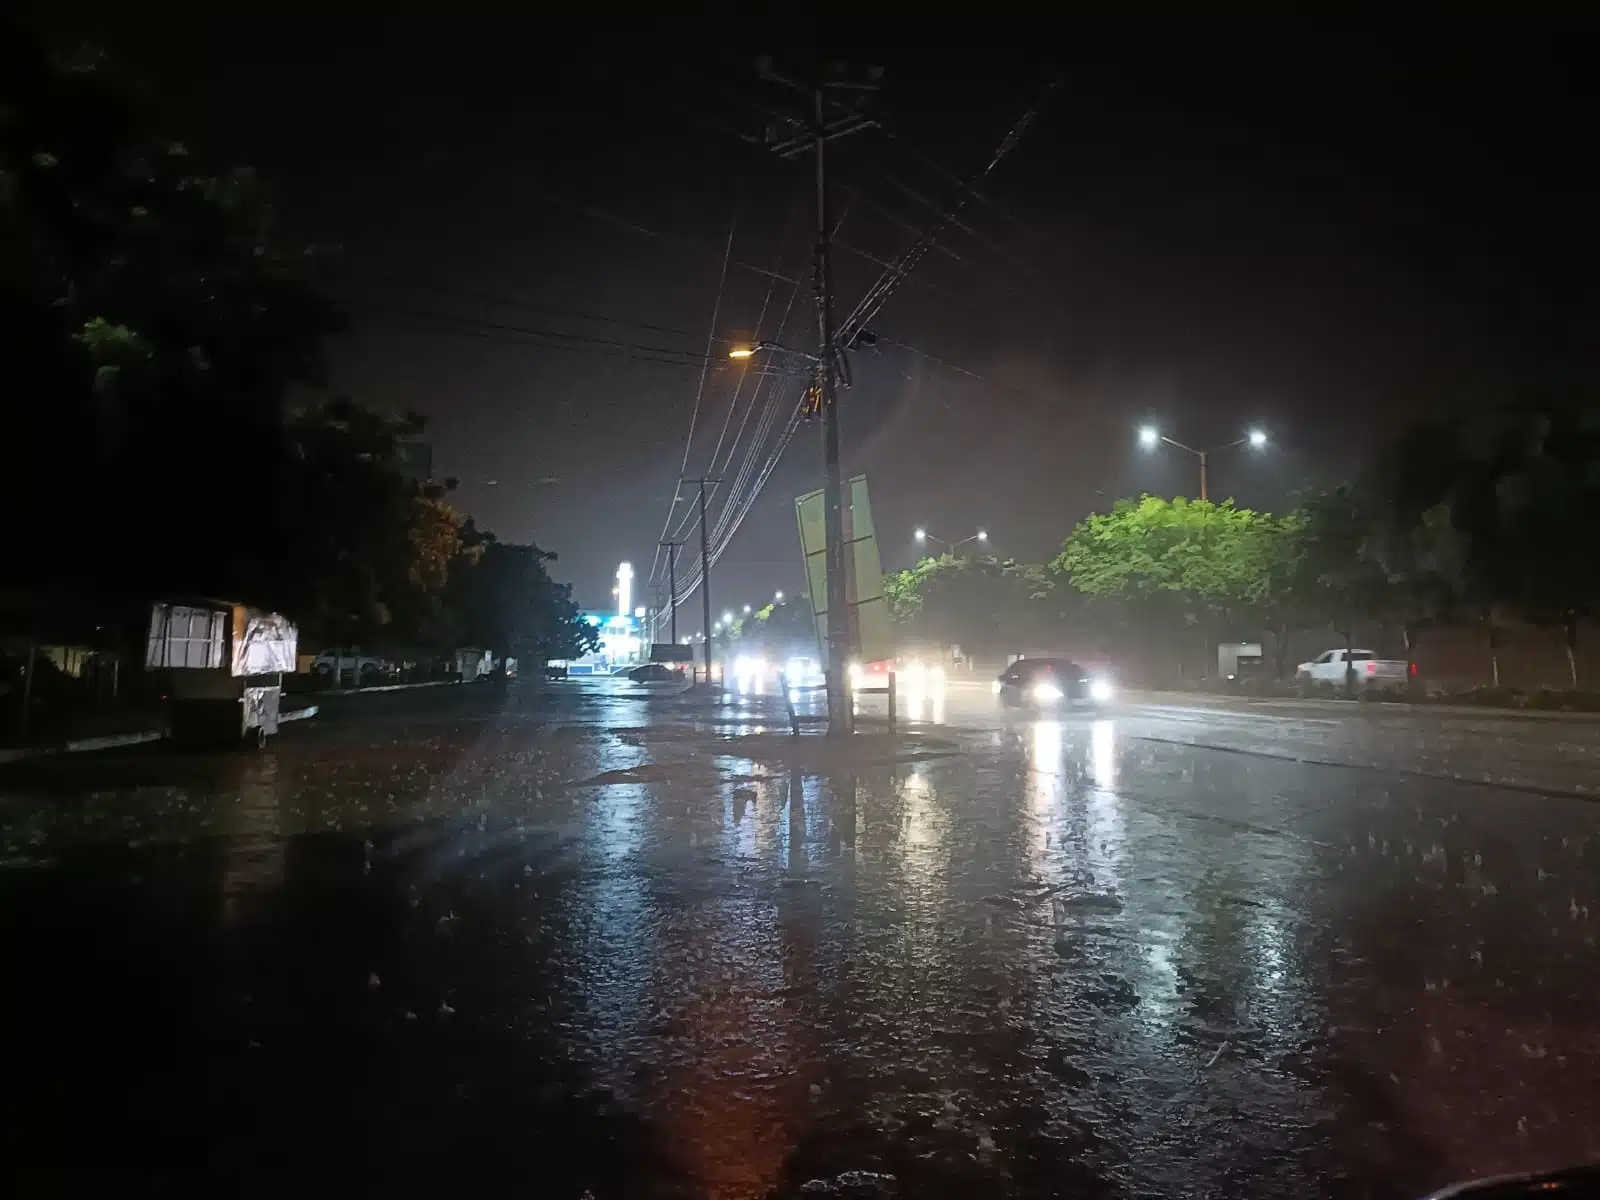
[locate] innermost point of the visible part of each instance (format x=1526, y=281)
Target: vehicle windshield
x=607, y=607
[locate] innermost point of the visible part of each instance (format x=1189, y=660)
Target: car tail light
x=1372, y=668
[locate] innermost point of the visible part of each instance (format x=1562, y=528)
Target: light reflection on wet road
x=638, y=946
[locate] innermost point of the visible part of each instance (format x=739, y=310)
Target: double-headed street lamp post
x=922, y=535
x=1150, y=437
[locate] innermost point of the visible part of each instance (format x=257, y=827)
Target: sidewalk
x=1349, y=707
x=136, y=729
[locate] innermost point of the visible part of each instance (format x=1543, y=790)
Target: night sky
x=1324, y=232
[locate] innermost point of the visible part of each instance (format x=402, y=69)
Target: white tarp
x=264, y=643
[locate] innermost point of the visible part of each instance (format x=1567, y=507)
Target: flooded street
x=601, y=942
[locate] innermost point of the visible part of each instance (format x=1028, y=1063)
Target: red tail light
x=1413, y=668
x=1372, y=668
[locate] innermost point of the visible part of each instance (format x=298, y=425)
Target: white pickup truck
x=1327, y=671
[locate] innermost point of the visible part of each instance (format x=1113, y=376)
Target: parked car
x=654, y=673
x=1329, y=670
x=1048, y=684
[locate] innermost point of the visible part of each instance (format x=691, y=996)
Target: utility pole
x=705, y=580
x=839, y=706
x=827, y=119
x=672, y=586
x=705, y=574
x=1203, y=496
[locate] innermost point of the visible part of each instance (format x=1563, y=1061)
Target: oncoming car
x=1050, y=684
x=911, y=674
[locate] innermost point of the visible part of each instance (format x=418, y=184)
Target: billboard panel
x=870, y=637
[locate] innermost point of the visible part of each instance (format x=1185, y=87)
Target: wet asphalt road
x=574, y=939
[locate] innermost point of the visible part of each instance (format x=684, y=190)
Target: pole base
x=841, y=711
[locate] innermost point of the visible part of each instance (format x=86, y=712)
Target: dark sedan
x=1051, y=683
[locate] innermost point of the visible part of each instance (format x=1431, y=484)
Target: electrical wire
x=531, y=338
x=494, y=301
x=700, y=389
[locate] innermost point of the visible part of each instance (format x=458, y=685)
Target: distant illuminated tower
x=624, y=589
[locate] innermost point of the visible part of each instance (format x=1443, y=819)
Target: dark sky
x=1323, y=231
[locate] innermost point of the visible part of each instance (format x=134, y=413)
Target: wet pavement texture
x=615, y=942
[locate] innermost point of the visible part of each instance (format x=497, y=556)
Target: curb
x=1365, y=707
x=117, y=740
x=110, y=742
x=385, y=687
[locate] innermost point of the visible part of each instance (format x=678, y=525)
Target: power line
x=760, y=320
x=878, y=294
x=534, y=339
x=699, y=392
x=518, y=304
x=871, y=302
x=600, y=214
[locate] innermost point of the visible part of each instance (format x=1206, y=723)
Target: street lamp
x=922, y=535
x=1149, y=436
x=747, y=610
x=727, y=618
x=777, y=597
x=752, y=351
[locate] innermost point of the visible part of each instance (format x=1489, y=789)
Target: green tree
x=780, y=629
x=368, y=549
x=504, y=600
x=1172, y=563
x=981, y=603
x=1337, y=580
x=155, y=322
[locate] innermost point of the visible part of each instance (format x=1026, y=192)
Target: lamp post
x=1150, y=437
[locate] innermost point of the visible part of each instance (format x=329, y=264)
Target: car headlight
x=1047, y=691
x=853, y=671
x=995, y=687
x=935, y=674
x=1100, y=690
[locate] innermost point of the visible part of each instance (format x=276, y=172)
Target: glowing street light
x=752, y=351
x=747, y=610
x=777, y=597
x=1149, y=436
x=727, y=618
x=922, y=535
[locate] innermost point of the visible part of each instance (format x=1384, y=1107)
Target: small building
x=623, y=644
